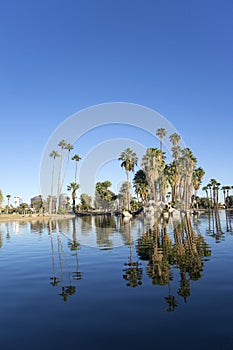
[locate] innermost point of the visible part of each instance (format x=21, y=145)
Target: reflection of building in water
x=16, y=227
x=17, y=201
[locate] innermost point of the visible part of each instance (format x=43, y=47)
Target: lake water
x=101, y=283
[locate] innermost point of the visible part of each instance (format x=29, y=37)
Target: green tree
x=73, y=186
x=197, y=178
x=104, y=198
x=161, y=133
x=85, y=201
x=77, y=158
x=187, y=163
x=205, y=188
x=1, y=197
x=173, y=177
x=215, y=187
x=153, y=165
x=23, y=208
x=128, y=160
x=175, y=138
x=123, y=195
x=8, y=196
x=140, y=185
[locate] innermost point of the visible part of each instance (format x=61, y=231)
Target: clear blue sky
x=58, y=57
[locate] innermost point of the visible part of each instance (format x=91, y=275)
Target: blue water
x=68, y=284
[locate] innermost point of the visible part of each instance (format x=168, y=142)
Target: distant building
x=36, y=203
x=64, y=201
x=17, y=201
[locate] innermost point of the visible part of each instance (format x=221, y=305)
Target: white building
x=17, y=201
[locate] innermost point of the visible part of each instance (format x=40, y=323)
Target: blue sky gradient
x=58, y=57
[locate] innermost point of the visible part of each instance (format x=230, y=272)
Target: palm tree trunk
x=73, y=198
x=64, y=176
x=59, y=180
x=128, y=194
x=51, y=193
x=76, y=170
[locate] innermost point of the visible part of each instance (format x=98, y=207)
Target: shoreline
x=33, y=217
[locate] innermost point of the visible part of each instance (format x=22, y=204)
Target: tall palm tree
x=187, y=166
x=8, y=196
x=175, y=138
x=153, y=165
x=215, y=186
x=176, y=152
x=62, y=144
x=54, y=155
x=209, y=186
x=77, y=158
x=228, y=188
x=73, y=186
x=68, y=147
x=141, y=187
x=161, y=133
x=173, y=177
x=224, y=188
x=129, y=160
x=205, y=188
x=197, y=178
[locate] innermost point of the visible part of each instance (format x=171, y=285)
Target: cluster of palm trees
x=156, y=180
x=104, y=197
x=212, y=193
x=64, y=155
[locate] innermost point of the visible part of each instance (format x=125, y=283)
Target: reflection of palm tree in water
x=132, y=273
x=228, y=221
x=54, y=280
x=186, y=254
x=215, y=229
x=69, y=289
x=158, y=268
x=74, y=246
x=171, y=300
x=104, y=226
x=66, y=290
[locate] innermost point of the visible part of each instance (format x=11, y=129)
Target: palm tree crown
x=77, y=158
x=161, y=133
x=129, y=159
x=73, y=186
x=174, y=138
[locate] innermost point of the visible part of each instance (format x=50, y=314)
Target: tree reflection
x=104, y=226
x=133, y=271
x=214, y=225
x=186, y=253
x=62, y=274
x=171, y=301
x=228, y=214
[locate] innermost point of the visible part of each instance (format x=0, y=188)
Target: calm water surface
x=101, y=283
